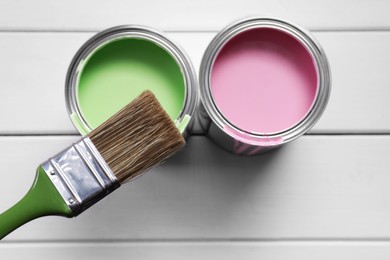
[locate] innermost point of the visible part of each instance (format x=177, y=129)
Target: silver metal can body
x=226, y=134
x=184, y=120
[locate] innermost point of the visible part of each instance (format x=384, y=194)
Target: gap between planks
x=197, y=134
x=322, y=30
x=186, y=241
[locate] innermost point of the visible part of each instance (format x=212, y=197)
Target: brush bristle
x=138, y=137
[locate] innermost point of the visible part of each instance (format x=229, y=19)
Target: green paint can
x=116, y=65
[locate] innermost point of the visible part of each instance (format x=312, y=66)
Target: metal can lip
x=306, y=39
x=136, y=31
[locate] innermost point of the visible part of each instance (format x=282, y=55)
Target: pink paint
x=264, y=81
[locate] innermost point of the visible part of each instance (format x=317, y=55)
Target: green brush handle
x=42, y=199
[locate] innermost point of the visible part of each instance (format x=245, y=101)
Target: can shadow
x=218, y=183
x=208, y=159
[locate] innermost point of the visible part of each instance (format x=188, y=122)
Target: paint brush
x=138, y=137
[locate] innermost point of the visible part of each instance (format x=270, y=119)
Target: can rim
x=131, y=31
x=300, y=34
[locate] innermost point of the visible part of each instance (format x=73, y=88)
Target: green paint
x=119, y=71
x=79, y=125
x=182, y=125
x=41, y=200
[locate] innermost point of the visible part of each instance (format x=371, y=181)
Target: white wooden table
x=324, y=196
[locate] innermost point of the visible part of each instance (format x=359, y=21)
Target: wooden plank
x=32, y=81
x=194, y=251
x=35, y=66
x=359, y=64
x=318, y=187
x=188, y=15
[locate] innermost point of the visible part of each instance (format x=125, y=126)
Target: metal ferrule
x=81, y=175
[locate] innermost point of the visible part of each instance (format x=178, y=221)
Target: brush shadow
x=200, y=193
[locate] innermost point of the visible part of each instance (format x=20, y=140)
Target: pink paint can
x=263, y=82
